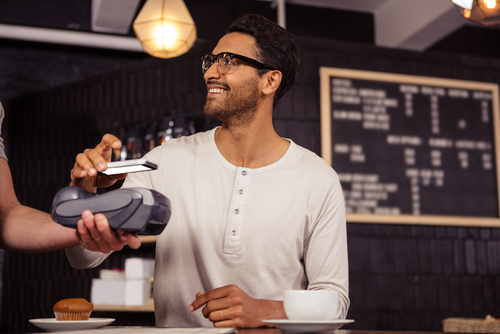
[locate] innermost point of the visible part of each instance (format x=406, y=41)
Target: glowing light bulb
x=467, y=13
x=165, y=35
x=165, y=28
x=490, y=3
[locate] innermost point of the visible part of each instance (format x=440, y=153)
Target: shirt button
x=240, y=191
x=243, y=172
x=233, y=232
x=236, y=211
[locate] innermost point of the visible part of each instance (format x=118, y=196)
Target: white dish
x=52, y=325
x=308, y=326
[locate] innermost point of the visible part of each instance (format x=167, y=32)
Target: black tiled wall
x=403, y=277
x=412, y=277
x=61, y=64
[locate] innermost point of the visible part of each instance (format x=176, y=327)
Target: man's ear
x=273, y=81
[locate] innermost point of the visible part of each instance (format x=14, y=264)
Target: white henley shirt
x=266, y=230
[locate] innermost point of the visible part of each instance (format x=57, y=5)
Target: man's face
x=233, y=97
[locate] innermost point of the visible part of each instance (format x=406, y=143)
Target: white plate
x=52, y=325
x=307, y=326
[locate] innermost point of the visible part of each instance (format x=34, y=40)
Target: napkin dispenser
x=138, y=210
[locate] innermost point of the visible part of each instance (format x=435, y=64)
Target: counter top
x=155, y=330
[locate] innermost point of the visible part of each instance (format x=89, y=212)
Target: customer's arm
x=25, y=229
x=325, y=253
x=229, y=306
x=94, y=231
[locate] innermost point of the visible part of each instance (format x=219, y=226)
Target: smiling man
x=253, y=213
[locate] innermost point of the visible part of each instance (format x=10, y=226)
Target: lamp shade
x=165, y=28
x=485, y=12
x=466, y=4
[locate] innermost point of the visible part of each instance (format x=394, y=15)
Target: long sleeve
x=325, y=252
x=81, y=258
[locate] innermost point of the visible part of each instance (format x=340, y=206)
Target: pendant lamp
x=165, y=28
x=485, y=12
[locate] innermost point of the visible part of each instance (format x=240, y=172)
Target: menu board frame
x=326, y=73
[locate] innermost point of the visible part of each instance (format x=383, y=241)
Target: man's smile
x=216, y=90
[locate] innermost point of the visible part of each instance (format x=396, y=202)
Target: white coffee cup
x=311, y=304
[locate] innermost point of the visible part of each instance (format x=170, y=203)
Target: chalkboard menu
x=412, y=149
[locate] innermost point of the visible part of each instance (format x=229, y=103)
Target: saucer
x=308, y=326
x=52, y=325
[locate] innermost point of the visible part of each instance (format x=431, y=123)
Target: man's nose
x=212, y=72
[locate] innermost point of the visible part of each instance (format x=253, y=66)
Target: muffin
x=73, y=309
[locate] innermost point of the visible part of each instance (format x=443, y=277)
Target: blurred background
x=61, y=93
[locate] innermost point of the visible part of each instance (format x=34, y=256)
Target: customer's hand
x=95, y=234
x=84, y=173
x=229, y=306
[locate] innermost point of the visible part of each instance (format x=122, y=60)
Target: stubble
x=238, y=106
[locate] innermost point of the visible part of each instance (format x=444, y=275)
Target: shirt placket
x=234, y=226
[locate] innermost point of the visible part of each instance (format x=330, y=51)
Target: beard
x=238, y=105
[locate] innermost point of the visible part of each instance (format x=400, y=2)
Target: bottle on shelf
x=165, y=129
x=134, y=142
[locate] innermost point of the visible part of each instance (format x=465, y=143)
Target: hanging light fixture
x=485, y=12
x=165, y=28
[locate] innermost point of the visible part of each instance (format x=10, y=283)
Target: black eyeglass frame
x=215, y=58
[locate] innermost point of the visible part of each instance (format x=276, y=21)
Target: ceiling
x=404, y=24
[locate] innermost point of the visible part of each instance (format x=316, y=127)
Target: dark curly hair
x=276, y=48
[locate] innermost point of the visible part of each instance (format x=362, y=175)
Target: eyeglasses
x=224, y=62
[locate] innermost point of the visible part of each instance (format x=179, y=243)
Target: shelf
x=124, y=308
x=147, y=239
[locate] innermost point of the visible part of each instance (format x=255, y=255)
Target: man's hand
x=92, y=160
x=95, y=234
x=229, y=306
